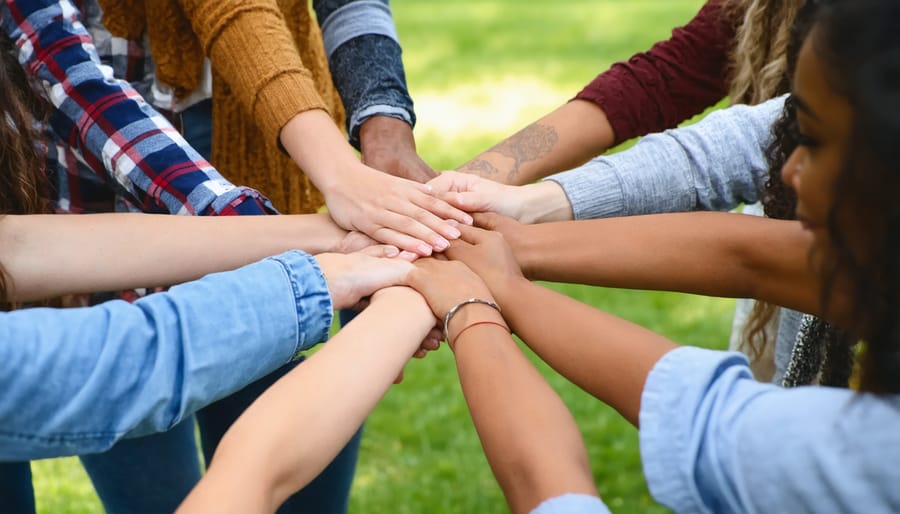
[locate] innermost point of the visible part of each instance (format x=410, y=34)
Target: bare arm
x=649, y=92
x=709, y=253
x=287, y=436
x=529, y=437
x=604, y=355
x=563, y=139
x=51, y=255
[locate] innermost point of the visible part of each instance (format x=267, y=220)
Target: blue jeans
x=154, y=473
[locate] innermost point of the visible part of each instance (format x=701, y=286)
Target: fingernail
x=391, y=251
x=408, y=256
x=423, y=249
x=453, y=232
x=441, y=244
x=468, y=220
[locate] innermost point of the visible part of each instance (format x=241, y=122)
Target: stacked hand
x=532, y=203
x=395, y=211
x=482, y=266
x=354, y=276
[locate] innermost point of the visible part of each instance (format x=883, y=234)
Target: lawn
x=479, y=70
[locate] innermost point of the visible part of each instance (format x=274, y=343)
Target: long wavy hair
x=759, y=58
x=22, y=176
x=859, y=43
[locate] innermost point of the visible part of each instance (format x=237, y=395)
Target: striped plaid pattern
x=109, y=150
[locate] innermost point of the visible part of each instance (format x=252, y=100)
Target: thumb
x=473, y=201
x=381, y=251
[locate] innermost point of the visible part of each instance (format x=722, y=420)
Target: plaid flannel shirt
x=108, y=149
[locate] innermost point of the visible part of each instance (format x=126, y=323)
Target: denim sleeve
x=715, y=164
x=75, y=381
x=713, y=440
x=572, y=504
x=364, y=55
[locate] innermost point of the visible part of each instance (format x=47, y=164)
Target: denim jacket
x=75, y=381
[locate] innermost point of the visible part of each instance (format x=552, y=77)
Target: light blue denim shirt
x=713, y=440
x=572, y=503
x=75, y=381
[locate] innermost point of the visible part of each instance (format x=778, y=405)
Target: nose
x=790, y=171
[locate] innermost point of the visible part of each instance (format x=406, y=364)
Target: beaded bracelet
x=461, y=304
x=467, y=327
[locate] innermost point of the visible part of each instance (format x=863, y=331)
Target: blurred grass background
x=478, y=71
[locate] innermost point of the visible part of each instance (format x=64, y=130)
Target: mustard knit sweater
x=268, y=65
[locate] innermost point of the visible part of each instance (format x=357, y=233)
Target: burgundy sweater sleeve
x=671, y=82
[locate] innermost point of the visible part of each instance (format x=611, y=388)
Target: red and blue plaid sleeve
x=128, y=147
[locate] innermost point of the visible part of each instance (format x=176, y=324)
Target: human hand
x=387, y=144
x=351, y=277
x=394, y=211
x=488, y=254
x=446, y=285
x=355, y=241
x=532, y=203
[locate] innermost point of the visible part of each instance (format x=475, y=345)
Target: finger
x=399, y=377
x=458, y=250
x=381, y=251
x=420, y=354
x=474, y=235
x=404, y=242
x=408, y=256
x=446, y=227
x=440, y=208
x=413, y=223
x=487, y=220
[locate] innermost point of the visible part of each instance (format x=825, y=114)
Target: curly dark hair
x=859, y=43
x=22, y=177
x=779, y=201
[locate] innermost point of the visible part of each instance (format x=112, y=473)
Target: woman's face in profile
x=823, y=124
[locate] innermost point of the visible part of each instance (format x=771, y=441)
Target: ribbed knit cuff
x=282, y=98
x=593, y=190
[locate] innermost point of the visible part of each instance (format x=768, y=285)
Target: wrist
x=469, y=315
x=467, y=312
x=317, y=146
x=544, y=202
x=385, y=130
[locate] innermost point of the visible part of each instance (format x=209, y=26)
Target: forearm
x=715, y=164
x=606, y=356
x=294, y=430
x=252, y=49
x=91, y=376
x=360, y=35
x=51, y=255
x=318, y=147
x=717, y=254
x=529, y=437
x=561, y=140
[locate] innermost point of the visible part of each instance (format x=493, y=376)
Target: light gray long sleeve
x=715, y=164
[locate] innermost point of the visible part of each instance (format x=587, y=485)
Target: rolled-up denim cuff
x=572, y=503
x=314, y=307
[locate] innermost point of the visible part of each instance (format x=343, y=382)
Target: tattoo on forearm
x=482, y=167
x=529, y=144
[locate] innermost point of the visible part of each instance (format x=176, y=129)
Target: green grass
x=480, y=70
